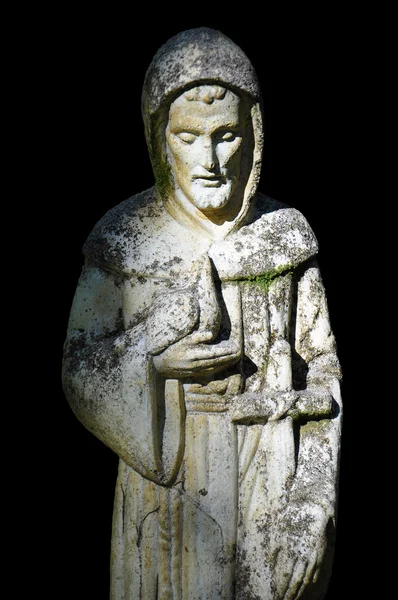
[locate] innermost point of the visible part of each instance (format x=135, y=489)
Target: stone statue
x=199, y=349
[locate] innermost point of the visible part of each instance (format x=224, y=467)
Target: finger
x=210, y=311
x=296, y=580
x=200, y=336
x=311, y=565
x=284, y=568
x=210, y=364
x=316, y=572
x=220, y=349
x=204, y=353
x=205, y=366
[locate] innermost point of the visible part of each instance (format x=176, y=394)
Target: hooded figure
x=199, y=349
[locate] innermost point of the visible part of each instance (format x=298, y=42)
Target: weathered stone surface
x=199, y=349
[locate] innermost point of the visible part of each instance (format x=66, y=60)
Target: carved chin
x=211, y=198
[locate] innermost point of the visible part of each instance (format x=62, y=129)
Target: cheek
x=183, y=156
x=229, y=154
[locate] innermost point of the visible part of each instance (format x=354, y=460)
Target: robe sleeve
x=108, y=376
x=319, y=370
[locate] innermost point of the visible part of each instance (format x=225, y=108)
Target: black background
x=316, y=75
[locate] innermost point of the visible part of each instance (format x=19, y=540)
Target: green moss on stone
x=162, y=173
x=264, y=280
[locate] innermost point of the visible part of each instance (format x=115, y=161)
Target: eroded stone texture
x=199, y=349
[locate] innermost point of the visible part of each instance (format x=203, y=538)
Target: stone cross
x=199, y=349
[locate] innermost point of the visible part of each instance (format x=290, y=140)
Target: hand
x=193, y=355
x=313, y=403
x=298, y=544
x=262, y=407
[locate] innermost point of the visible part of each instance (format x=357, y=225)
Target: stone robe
x=226, y=484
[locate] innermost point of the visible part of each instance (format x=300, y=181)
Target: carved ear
x=171, y=317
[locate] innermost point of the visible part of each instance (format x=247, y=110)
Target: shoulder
x=275, y=236
x=139, y=237
x=284, y=216
x=282, y=220
x=122, y=228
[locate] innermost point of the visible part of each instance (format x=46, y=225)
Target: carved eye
x=186, y=137
x=227, y=136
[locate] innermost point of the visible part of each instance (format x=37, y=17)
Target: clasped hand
x=195, y=355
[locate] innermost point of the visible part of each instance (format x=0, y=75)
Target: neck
x=216, y=224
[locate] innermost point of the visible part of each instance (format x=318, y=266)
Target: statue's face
x=204, y=145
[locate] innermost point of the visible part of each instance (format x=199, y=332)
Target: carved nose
x=208, y=158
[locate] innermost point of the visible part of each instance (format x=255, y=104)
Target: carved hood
x=191, y=58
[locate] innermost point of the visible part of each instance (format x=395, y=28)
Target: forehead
x=203, y=116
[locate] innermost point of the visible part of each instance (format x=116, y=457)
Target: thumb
x=210, y=310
